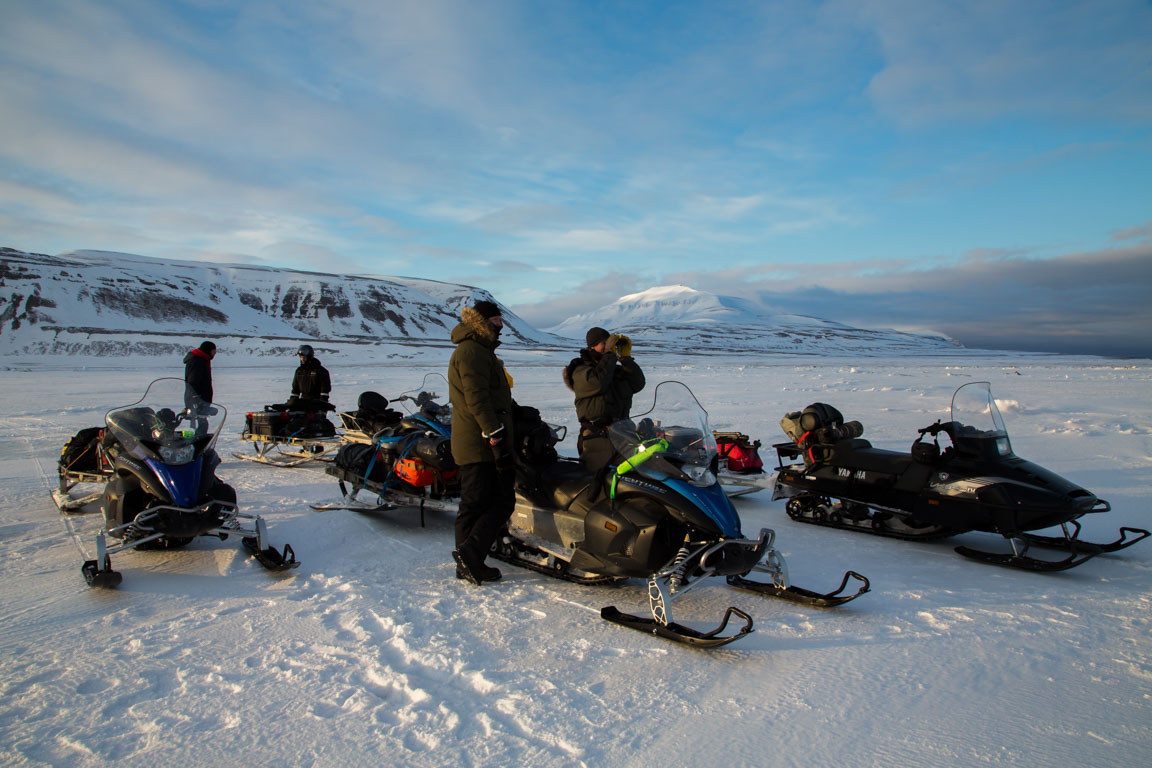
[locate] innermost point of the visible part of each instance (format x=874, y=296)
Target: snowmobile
x=290, y=434
x=976, y=484
x=405, y=459
x=163, y=491
x=658, y=513
x=373, y=414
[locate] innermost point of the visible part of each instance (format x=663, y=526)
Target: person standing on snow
x=482, y=439
x=311, y=382
x=198, y=377
x=603, y=378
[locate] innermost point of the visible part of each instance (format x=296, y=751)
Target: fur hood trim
x=478, y=325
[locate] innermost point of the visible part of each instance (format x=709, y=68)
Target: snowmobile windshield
x=670, y=438
x=978, y=426
x=166, y=424
x=427, y=398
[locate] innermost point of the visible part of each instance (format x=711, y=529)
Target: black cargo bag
x=79, y=453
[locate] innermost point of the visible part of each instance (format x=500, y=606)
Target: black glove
x=503, y=455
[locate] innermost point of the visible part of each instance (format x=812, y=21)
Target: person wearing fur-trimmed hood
x=482, y=439
x=603, y=378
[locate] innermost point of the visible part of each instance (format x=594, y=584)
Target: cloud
x=986, y=59
x=1084, y=303
x=1142, y=232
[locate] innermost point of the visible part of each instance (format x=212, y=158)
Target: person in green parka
x=482, y=439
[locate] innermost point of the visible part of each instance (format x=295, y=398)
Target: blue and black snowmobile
x=162, y=490
x=976, y=484
x=657, y=513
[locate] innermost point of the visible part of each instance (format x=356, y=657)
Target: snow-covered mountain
x=97, y=303
x=697, y=321
x=101, y=303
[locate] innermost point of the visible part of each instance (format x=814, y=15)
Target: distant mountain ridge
x=103, y=304
x=97, y=303
x=697, y=321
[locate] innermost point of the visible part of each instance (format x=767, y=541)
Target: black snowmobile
x=976, y=484
x=163, y=491
x=658, y=514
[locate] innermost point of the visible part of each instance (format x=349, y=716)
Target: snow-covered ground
x=371, y=653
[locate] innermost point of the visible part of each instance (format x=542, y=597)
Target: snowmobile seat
x=859, y=454
x=562, y=481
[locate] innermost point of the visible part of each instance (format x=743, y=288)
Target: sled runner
x=162, y=491
x=283, y=437
x=976, y=484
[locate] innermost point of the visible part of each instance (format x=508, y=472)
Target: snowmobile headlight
x=177, y=454
x=699, y=476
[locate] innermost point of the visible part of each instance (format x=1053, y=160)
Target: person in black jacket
x=311, y=382
x=604, y=378
x=198, y=377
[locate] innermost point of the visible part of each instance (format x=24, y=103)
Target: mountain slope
x=95, y=302
x=697, y=321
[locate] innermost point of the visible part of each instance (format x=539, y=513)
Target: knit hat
x=207, y=347
x=595, y=335
x=487, y=309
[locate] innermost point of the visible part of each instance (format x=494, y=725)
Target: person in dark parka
x=311, y=384
x=603, y=378
x=198, y=377
x=482, y=439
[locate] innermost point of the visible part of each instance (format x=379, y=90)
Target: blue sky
x=981, y=168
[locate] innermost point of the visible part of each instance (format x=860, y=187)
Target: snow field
x=371, y=651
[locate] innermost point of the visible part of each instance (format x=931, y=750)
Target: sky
x=982, y=169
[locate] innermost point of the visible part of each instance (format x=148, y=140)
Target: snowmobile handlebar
x=937, y=428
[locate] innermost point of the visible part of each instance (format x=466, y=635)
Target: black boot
x=464, y=567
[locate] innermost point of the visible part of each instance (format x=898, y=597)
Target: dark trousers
x=487, y=498
x=595, y=447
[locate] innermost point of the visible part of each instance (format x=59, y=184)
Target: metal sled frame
x=751, y=482
x=270, y=450
x=69, y=479
x=99, y=573
x=387, y=496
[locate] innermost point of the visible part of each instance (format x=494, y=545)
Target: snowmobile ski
x=804, y=596
x=270, y=557
x=679, y=632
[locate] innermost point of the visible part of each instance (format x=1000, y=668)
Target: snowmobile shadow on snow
x=657, y=513
x=976, y=484
x=158, y=458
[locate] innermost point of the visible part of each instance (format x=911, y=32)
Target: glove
x=610, y=344
x=504, y=461
x=624, y=346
